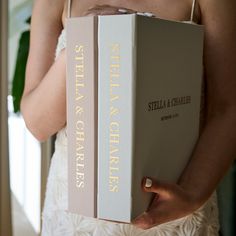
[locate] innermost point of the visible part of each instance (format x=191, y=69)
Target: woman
x=186, y=208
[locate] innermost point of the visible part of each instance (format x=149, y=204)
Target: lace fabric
x=57, y=221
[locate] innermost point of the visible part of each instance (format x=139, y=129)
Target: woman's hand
x=106, y=10
x=170, y=202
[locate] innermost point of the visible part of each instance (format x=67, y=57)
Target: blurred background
x=24, y=162
x=24, y=150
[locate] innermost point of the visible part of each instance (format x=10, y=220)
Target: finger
x=100, y=11
x=144, y=221
x=108, y=10
x=154, y=186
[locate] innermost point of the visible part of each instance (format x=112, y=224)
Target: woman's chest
x=167, y=9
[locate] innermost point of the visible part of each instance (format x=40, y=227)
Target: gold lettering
x=114, y=188
x=113, y=181
x=114, y=97
x=114, y=138
x=115, y=48
x=113, y=111
x=79, y=110
x=114, y=129
x=114, y=160
x=79, y=48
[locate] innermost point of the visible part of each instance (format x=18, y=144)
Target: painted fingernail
x=140, y=13
x=148, y=183
x=148, y=14
x=122, y=10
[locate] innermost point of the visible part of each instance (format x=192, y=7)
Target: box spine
x=115, y=96
x=82, y=115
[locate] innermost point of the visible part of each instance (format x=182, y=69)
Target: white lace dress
x=57, y=221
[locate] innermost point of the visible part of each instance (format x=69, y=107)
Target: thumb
x=155, y=186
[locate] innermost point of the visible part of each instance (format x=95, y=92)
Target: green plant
x=19, y=73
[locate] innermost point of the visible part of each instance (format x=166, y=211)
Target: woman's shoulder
x=46, y=26
x=212, y=10
x=49, y=7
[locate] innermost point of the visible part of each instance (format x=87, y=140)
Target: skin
x=45, y=89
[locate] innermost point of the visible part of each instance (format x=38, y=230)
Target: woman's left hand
x=170, y=202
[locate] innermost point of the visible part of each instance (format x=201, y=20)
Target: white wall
x=25, y=155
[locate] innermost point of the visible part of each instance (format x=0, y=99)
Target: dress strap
x=69, y=8
x=192, y=10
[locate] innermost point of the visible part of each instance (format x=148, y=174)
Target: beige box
x=81, y=52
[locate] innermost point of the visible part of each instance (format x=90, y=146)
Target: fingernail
x=148, y=14
x=148, y=183
x=122, y=10
x=140, y=13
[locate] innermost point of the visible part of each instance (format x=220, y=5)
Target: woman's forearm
x=44, y=108
x=212, y=157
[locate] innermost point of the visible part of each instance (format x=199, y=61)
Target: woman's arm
x=216, y=147
x=43, y=104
